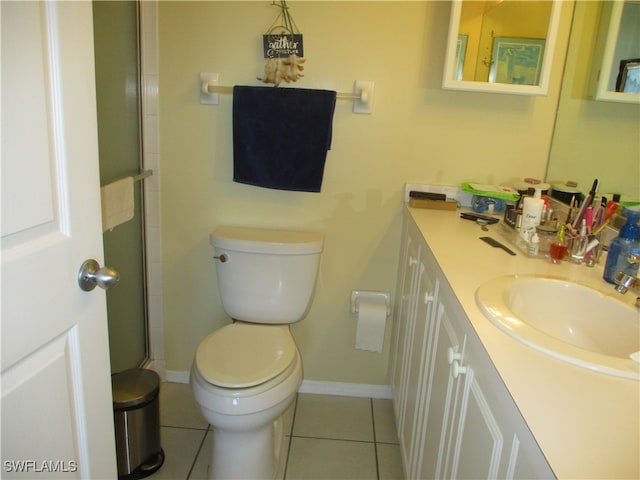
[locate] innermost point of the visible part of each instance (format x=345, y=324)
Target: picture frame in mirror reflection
x=516, y=61
x=628, y=80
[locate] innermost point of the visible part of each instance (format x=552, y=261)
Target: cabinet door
x=405, y=322
x=442, y=395
x=474, y=441
x=419, y=366
x=413, y=360
x=479, y=441
x=401, y=298
x=493, y=439
x=489, y=437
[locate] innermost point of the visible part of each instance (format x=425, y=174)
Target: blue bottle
x=628, y=239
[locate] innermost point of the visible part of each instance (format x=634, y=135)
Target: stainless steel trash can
x=136, y=415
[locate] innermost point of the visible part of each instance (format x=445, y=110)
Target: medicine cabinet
x=501, y=46
x=618, y=79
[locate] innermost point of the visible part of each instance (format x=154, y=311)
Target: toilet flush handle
x=223, y=257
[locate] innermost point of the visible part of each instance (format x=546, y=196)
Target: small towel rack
x=142, y=175
x=362, y=95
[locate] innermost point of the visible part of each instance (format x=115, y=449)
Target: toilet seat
x=243, y=355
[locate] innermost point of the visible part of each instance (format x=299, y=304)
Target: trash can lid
x=134, y=387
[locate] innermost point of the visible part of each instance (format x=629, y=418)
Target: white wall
x=418, y=133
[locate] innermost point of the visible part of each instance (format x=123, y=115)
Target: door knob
x=90, y=275
x=457, y=369
x=452, y=355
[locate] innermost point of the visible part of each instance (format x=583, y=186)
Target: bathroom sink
x=566, y=320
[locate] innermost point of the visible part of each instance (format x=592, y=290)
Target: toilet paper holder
x=358, y=296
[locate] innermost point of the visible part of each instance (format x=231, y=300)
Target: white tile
x=180, y=446
x=178, y=408
x=156, y=345
x=152, y=162
x=151, y=134
x=152, y=208
x=201, y=467
x=150, y=94
x=149, y=18
x=384, y=420
x=154, y=248
x=156, y=317
x=154, y=275
x=389, y=462
x=336, y=417
x=186, y=445
x=312, y=458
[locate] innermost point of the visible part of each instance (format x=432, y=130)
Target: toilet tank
x=266, y=276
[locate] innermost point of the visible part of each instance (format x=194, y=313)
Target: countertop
x=586, y=423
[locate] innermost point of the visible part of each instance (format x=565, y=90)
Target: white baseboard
x=314, y=386
x=176, y=376
x=346, y=389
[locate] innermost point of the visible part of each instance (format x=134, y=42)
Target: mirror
x=501, y=46
x=593, y=139
x=619, y=74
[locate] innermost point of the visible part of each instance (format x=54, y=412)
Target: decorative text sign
x=282, y=45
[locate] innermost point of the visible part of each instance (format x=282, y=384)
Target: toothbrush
x=588, y=218
x=585, y=204
x=609, y=209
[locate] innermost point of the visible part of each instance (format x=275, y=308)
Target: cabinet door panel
x=406, y=329
x=442, y=393
x=480, y=441
x=416, y=335
x=420, y=364
x=403, y=291
x=523, y=463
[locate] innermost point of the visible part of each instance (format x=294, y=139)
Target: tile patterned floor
x=328, y=438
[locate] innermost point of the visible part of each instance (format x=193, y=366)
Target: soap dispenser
x=628, y=239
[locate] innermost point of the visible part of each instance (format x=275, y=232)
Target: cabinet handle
x=451, y=355
x=457, y=369
x=428, y=297
x=413, y=261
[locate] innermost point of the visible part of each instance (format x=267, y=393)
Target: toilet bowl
x=247, y=420
x=246, y=374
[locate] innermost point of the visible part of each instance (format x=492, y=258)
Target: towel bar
x=142, y=175
x=362, y=95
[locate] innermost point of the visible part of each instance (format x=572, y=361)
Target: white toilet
x=245, y=375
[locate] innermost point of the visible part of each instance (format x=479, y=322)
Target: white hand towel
x=117, y=203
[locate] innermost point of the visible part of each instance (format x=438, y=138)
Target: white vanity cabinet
x=454, y=415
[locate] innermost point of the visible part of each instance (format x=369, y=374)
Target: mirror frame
x=449, y=83
x=604, y=74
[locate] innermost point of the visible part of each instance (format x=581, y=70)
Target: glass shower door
x=120, y=147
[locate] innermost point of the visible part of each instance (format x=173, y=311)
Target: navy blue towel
x=281, y=136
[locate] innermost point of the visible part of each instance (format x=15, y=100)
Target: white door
x=57, y=418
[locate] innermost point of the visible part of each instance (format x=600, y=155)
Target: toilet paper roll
x=372, y=318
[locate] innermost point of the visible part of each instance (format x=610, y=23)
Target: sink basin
x=566, y=320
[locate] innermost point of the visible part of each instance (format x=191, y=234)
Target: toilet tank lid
x=263, y=240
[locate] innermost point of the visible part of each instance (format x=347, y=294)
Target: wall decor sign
x=281, y=45
x=283, y=49
x=516, y=60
